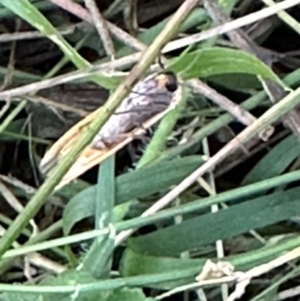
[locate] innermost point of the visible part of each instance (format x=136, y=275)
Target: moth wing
x=92, y=157
x=63, y=144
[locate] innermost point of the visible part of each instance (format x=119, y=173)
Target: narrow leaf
x=136, y=184
x=97, y=259
x=196, y=232
x=217, y=60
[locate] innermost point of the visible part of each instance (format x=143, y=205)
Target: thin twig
x=214, y=208
x=235, y=24
x=28, y=190
x=38, y=259
x=233, y=161
x=58, y=105
x=288, y=293
x=101, y=27
x=17, y=183
x=130, y=16
x=285, y=17
x=241, y=278
x=82, y=13
x=15, y=204
x=234, y=109
x=9, y=74
x=11, y=66
x=12, y=116
x=243, y=41
x=28, y=35
x=116, y=7
x=72, y=76
x=245, y=278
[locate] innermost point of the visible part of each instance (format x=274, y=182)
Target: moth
x=148, y=101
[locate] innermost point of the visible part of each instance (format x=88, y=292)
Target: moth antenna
x=160, y=62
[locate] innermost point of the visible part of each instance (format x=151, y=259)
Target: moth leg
x=143, y=139
x=140, y=137
x=131, y=135
x=139, y=125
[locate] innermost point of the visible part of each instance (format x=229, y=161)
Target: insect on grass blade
x=148, y=102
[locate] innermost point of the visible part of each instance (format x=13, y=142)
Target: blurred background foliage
x=248, y=203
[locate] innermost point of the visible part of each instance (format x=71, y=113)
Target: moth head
x=168, y=80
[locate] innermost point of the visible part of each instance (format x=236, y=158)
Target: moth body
x=148, y=98
x=148, y=102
